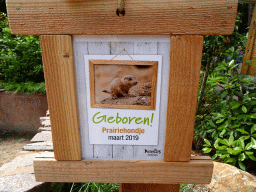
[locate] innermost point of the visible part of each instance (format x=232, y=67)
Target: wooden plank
x=250, y=51
x=184, y=73
x=57, y=53
x=142, y=187
x=124, y=171
x=39, y=17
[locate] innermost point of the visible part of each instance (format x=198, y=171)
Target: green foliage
x=214, y=52
x=86, y=187
x=229, y=130
x=20, y=57
x=27, y=87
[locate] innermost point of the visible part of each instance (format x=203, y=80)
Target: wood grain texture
x=184, y=73
x=142, y=187
x=250, y=51
x=57, y=53
x=196, y=171
x=90, y=17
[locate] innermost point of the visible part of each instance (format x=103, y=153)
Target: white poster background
x=96, y=135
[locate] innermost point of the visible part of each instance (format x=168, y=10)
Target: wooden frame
x=185, y=62
x=92, y=63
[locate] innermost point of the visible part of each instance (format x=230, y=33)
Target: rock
x=229, y=178
x=44, y=129
x=42, y=119
x=46, y=123
x=39, y=146
x=18, y=175
x=142, y=90
x=42, y=136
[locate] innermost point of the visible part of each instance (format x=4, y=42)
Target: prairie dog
x=120, y=87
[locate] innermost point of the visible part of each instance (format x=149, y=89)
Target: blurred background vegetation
x=21, y=68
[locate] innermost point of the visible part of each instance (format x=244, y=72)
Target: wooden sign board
x=178, y=91
x=76, y=72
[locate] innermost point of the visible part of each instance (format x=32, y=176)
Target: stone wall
x=22, y=112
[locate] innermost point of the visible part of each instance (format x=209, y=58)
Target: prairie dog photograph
x=120, y=86
x=123, y=84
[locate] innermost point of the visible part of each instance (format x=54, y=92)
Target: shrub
x=20, y=58
x=229, y=130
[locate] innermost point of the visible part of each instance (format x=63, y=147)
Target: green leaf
x=207, y=150
x=243, y=116
x=230, y=150
x=245, y=137
x=253, y=102
x=223, y=156
x=248, y=153
x=212, y=124
x=207, y=142
x=253, y=128
x=244, y=109
x=236, y=152
x=241, y=165
x=241, y=143
x=219, y=152
x=252, y=157
x=236, y=105
x=214, y=156
x=224, y=94
x=242, y=131
x=248, y=146
x=253, y=141
x=253, y=116
x=214, y=134
x=224, y=141
x=223, y=132
x=241, y=157
x=220, y=120
x=231, y=139
x=231, y=160
x=245, y=98
x=216, y=143
x=222, y=147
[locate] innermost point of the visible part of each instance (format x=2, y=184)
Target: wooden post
x=184, y=74
x=57, y=53
x=250, y=52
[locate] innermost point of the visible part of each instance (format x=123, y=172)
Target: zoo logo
x=154, y=152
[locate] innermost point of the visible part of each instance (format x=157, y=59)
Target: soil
x=138, y=95
x=11, y=143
